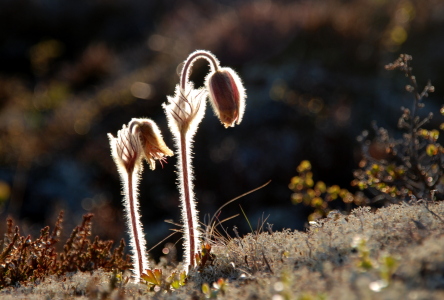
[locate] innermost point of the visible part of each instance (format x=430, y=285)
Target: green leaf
x=206, y=289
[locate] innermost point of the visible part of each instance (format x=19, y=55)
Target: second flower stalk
x=141, y=139
x=184, y=111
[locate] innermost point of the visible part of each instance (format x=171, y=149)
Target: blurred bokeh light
x=72, y=71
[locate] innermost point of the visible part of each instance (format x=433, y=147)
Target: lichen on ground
x=396, y=252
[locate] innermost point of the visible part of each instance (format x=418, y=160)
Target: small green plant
x=364, y=261
x=204, y=256
x=385, y=266
x=157, y=281
x=219, y=287
x=409, y=167
x=283, y=289
x=283, y=286
x=177, y=279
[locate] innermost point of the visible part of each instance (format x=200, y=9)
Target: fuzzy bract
x=185, y=109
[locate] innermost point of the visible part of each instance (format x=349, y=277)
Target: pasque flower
x=227, y=96
x=185, y=109
x=125, y=150
x=151, y=141
x=184, y=112
x=141, y=139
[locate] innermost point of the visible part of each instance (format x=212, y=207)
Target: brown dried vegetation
x=24, y=260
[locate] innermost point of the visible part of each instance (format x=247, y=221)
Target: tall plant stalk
x=141, y=139
x=184, y=112
x=126, y=151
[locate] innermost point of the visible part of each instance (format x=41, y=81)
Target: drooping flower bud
x=227, y=96
x=150, y=139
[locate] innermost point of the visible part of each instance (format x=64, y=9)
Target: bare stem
x=413, y=146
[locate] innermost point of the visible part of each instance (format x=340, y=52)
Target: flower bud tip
x=227, y=96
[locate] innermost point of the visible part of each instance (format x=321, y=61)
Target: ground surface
x=396, y=252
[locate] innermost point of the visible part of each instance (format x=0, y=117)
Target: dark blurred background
x=72, y=71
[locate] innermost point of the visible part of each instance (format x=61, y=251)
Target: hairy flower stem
x=140, y=140
x=188, y=206
x=184, y=113
x=214, y=65
x=136, y=234
x=184, y=141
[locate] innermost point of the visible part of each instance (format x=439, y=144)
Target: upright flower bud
x=127, y=154
x=185, y=110
x=227, y=96
x=151, y=140
x=126, y=150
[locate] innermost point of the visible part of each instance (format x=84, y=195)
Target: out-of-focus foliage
x=71, y=72
x=392, y=169
x=317, y=194
x=409, y=167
